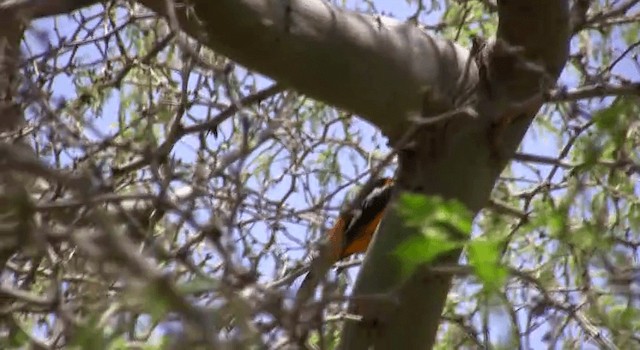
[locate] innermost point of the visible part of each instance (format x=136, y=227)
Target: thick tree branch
x=542, y=38
x=42, y=8
x=376, y=67
x=10, y=35
x=464, y=163
x=15, y=213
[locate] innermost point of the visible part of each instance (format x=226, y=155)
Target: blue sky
x=536, y=140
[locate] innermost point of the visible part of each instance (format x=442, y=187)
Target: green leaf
x=423, y=249
x=89, y=335
x=119, y=343
x=416, y=209
x=18, y=338
x=197, y=285
x=484, y=256
x=425, y=212
x=440, y=224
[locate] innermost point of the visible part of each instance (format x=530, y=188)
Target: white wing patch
x=356, y=215
x=368, y=200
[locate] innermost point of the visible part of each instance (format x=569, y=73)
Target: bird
x=353, y=230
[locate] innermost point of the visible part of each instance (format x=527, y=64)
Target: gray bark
x=377, y=68
x=469, y=157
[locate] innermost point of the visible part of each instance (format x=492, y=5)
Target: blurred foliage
x=180, y=188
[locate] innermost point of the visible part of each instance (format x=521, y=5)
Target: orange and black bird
x=353, y=230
